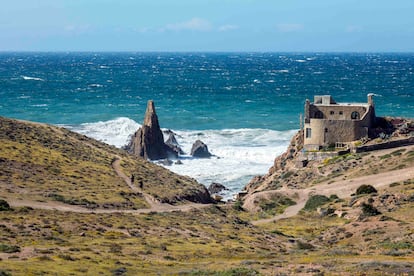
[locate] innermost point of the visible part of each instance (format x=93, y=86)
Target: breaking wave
x=32, y=78
x=240, y=154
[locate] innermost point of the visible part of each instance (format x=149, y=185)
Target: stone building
x=328, y=123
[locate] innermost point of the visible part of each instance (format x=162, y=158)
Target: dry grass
x=46, y=163
x=41, y=162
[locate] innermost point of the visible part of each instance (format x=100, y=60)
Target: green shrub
x=315, y=201
x=5, y=248
x=369, y=210
x=4, y=273
x=238, y=205
x=333, y=197
x=4, y=205
x=304, y=245
x=276, y=204
x=366, y=189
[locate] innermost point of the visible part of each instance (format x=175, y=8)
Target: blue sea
x=244, y=106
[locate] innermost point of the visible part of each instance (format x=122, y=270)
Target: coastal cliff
x=281, y=164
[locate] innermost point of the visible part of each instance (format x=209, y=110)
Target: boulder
x=148, y=141
x=216, y=188
x=171, y=139
x=173, y=144
x=200, y=150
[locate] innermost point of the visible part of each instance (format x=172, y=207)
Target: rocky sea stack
x=148, y=140
x=200, y=150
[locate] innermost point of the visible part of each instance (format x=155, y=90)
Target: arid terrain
x=70, y=207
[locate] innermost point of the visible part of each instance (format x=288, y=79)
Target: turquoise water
x=198, y=91
x=245, y=106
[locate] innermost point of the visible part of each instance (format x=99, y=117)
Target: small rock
x=216, y=188
x=178, y=162
x=325, y=211
x=171, y=139
x=200, y=150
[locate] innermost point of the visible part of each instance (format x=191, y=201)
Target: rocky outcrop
x=284, y=160
x=173, y=144
x=281, y=164
x=171, y=139
x=216, y=188
x=200, y=150
x=148, y=141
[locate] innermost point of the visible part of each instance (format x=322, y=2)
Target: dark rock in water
x=178, y=162
x=148, y=141
x=200, y=150
x=171, y=139
x=216, y=188
x=173, y=144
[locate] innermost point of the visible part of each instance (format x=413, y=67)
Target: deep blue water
x=198, y=90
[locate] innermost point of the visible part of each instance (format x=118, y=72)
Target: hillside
x=47, y=163
x=68, y=207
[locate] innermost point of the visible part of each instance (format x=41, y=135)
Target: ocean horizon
x=244, y=105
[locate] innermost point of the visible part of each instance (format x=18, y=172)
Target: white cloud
x=287, y=28
x=194, y=24
x=228, y=27
x=353, y=29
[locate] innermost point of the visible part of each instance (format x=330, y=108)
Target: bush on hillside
x=315, y=201
x=4, y=205
x=365, y=190
x=368, y=210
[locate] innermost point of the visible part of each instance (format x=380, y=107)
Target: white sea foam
x=32, y=78
x=39, y=105
x=95, y=85
x=240, y=154
x=114, y=132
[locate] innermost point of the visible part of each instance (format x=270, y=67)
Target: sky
x=207, y=25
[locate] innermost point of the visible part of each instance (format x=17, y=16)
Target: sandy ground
x=341, y=188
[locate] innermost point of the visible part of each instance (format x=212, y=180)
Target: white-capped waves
x=240, y=153
x=114, y=132
x=32, y=78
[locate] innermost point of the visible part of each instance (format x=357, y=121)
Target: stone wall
x=327, y=132
x=386, y=145
x=337, y=112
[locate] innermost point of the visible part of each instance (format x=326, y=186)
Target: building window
x=332, y=112
x=308, y=132
x=319, y=114
x=355, y=115
x=341, y=112
x=326, y=130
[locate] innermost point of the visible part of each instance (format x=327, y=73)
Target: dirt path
x=152, y=202
x=155, y=206
x=342, y=188
x=57, y=206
